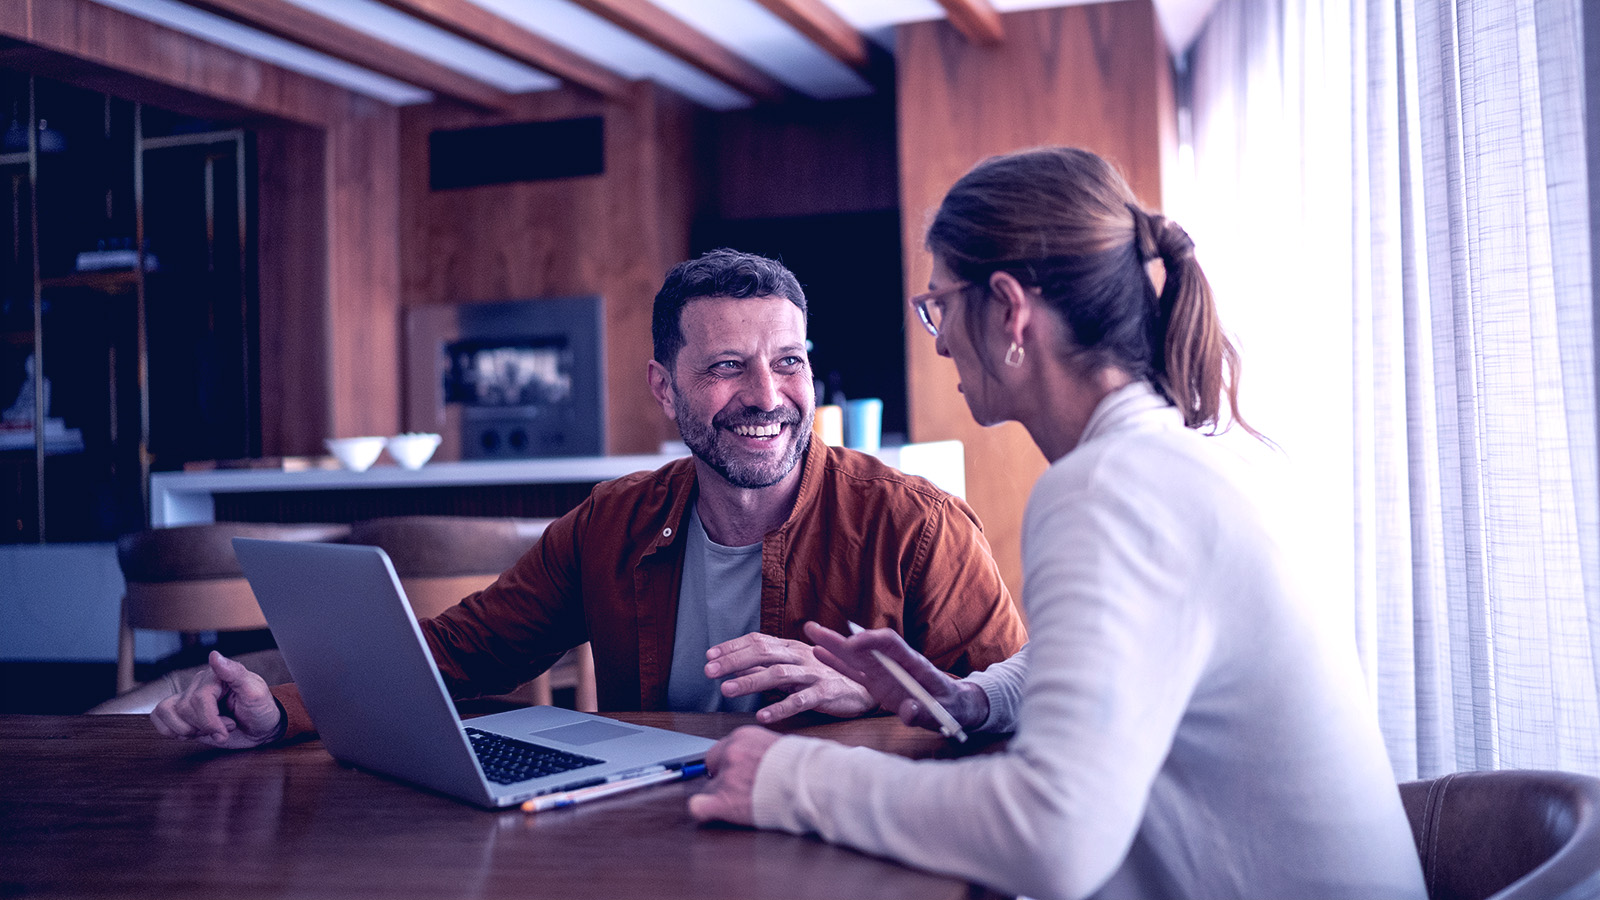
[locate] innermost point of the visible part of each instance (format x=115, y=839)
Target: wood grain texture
x=479, y=25
x=102, y=806
x=653, y=24
x=613, y=234
x=304, y=26
x=121, y=43
x=292, y=289
x=829, y=30
x=805, y=160
x=1094, y=76
x=364, y=270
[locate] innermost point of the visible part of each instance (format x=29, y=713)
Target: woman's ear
x=1016, y=304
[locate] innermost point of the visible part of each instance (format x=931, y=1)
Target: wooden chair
x=441, y=559
x=187, y=579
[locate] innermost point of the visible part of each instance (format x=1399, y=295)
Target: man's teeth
x=757, y=430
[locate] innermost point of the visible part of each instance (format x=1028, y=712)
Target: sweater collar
x=1125, y=405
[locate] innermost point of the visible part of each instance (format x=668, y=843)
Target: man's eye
x=791, y=362
x=726, y=367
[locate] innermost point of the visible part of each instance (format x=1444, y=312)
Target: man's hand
x=225, y=705
x=732, y=764
x=760, y=662
x=853, y=657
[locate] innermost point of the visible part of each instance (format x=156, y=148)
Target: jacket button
x=666, y=532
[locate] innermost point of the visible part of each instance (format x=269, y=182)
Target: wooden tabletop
x=102, y=806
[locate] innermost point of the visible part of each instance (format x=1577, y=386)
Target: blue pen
x=564, y=799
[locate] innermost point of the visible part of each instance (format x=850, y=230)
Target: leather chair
x=1509, y=834
x=441, y=559
x=187, y=579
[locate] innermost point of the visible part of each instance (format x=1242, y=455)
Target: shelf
x=110, y=282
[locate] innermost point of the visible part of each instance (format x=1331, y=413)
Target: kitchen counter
x=182, y=498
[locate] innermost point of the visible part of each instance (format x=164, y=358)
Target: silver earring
x=1015, y=355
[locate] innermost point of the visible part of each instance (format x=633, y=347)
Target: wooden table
x=102, y=806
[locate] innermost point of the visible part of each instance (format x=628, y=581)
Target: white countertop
x=181, y=498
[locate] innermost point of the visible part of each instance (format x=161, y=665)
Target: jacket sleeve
x=958, y=611
x=521, y=624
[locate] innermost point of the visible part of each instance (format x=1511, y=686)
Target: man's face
x=741, y=389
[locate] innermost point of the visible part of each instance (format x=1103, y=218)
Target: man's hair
x=719, y=273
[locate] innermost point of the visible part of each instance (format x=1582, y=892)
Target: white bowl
x=356, y=454
x=413, y=449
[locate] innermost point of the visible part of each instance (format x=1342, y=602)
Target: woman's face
x=955, y=340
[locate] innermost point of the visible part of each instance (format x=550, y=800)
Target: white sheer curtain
x=1390, y=197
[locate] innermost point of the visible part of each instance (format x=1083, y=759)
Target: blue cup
x=863, y=424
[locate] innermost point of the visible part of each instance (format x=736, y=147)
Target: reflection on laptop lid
x=353, y=647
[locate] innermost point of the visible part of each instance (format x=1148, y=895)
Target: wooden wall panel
x=291, y=228
x=805, y=159
x=1094, y=76
x=363, y=252
x=613, y=234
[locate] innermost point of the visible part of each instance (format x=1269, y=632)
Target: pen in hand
x=948, y=726
x=564, y=799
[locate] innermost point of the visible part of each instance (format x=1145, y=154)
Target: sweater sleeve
x=1116, y=649
x=1002, y=684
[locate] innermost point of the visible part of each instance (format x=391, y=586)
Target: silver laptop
x=352, y=644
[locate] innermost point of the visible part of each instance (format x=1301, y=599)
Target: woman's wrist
x=973, y=705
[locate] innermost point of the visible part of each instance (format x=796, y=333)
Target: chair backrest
x=441, y=559
x=1509, y=834
x=187, y=579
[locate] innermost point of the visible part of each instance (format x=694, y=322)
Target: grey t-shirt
x=720, y=599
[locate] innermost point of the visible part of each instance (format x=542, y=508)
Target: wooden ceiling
x=484, y=52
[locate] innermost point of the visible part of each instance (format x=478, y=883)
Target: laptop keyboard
x=508, y=760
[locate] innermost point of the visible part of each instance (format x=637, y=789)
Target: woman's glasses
x=930, y=305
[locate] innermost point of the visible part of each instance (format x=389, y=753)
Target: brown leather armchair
x=1509, y=834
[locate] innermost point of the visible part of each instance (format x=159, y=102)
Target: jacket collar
x=682, y=485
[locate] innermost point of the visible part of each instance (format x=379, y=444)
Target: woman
x=1185, y=725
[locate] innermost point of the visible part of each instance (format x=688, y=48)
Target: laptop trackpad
x=580, y=733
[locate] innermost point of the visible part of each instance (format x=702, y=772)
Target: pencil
x=948, y=726
x=564, y=799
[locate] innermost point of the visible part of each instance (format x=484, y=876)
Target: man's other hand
x=225, y=705
x=760, y=662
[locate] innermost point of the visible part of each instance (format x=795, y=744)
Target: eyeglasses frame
x=920, y=303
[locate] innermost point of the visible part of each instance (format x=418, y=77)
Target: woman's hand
x=732, y=764
x=853, y=657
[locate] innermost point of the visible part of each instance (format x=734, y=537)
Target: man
x=692, y=582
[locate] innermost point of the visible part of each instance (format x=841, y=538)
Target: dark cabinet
x=128, y=288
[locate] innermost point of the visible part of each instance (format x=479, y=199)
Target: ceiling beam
x=294, y=23
x=978, y=20
x=824, y=27
x=651, y=23
x=481, y=26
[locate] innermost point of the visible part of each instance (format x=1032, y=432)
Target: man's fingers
x=750, y=651
x=793, y=704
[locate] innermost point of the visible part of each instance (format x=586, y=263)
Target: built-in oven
x=514, y=379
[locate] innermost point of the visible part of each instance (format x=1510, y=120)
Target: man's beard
x=704, y=442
